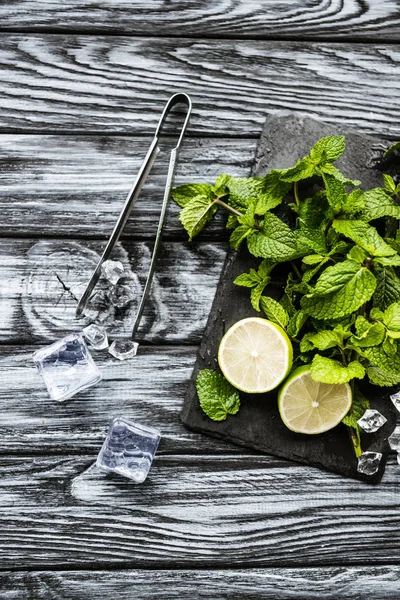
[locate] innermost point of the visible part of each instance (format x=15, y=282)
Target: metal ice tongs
x=133, y=194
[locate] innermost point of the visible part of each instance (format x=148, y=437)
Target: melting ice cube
x=66, y=367
x=394, y=439
x=368, y=463
x=123, y=349
x=96, y=336
x=112, y=270
x=129, y=449
x=371, y=421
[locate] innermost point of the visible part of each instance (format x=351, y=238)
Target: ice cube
x=395, y=398
x=394, y=439
x=121, y=295
x=112, y=270
x=398, y=457
x=96, y=336
x=66, y=367
x=129, y=449
x=368, y=463
x=123, y=349
x=99, y=301
x=371, y=421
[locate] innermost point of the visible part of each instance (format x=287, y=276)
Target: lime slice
x=255, y=355
x=308, y=406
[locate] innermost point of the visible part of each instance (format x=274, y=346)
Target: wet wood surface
x=82, y=86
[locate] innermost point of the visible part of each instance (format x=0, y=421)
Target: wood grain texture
x=118, y=84
x=41, y=281
x=194, y=510
x=354, y=19
x=149, y=388
x=75, y=186
x=329, y=583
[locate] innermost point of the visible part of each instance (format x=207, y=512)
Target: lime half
x=308, y=406
x=255, y=355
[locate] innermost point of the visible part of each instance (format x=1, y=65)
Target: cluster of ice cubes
x=371, y=421
x=114, y=294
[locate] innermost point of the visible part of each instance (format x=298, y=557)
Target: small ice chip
x=371, y=421
x=96, y=336
x=66, y=367
x=123, y=349
x=121, y=295
x=368, y=463
x=395, y=398
x=394, y=439
x=129, y=449
x=112, y=270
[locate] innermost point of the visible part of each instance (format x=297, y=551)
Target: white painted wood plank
x=351, y=19
x=75, y=186
x=207, y=511
x=118, y=84
x=324, y=583
x=149, y=388
x=41, y=281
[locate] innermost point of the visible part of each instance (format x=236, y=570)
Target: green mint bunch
x=340, y=304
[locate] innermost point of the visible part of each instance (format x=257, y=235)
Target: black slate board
x=258, y=424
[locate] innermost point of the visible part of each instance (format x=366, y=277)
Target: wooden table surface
x=81, y=88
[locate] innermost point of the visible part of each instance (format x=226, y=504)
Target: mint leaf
x=312, y=238
x=276, y=240
x=257, y=280
x=220, y=188
x=389, y=183
x=383, y=370
x=388, y=261
x=196, y=214
x=217, y=396
x=303, y=169
x=340, y=290
x=330, y=169
x=247, y=279
x=183, y=194
x=378, y=203
x=391, y=316
x=322, y=340
x=387, y=287
x=313, y=259
x=296, y=322
x=357, y=254
x=238, y=235
x=328, y=148
x=354, y=203
x=370, y=334
x=335, y=191
x=272, y=192
x=274, y=311
x=328, y=370
x=358, y=408
x=232, y=222
x=365, y=236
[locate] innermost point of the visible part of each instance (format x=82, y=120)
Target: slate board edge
x=231, y=256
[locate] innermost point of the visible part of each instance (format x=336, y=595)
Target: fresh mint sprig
x=341, y=301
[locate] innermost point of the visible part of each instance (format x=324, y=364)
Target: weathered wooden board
x=76, y=185
x=350, y=19
x=327, y=583
x=149, y=388
x=193, y=510
x=118, y=84
x=258, y=424
x=41, y=281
